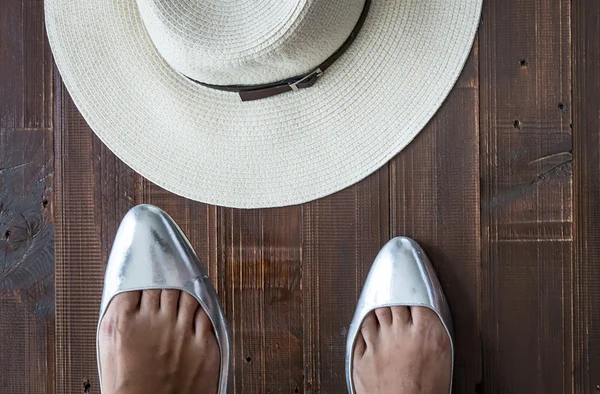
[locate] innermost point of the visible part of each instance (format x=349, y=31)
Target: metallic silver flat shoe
x=401, y=275
x=151, y=252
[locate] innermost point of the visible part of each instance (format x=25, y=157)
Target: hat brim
x=209, y=146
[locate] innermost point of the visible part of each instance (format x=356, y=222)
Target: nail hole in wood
x=296, y=390
x=561, y=106
x=1, y=207
x=7, y=235
x=517, y=124
x=44, y=203
x=524, y=63
x=248, y=359
x=86, y=386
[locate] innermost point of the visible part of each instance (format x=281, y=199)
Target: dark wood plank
x=26, y=221
x=341, y=234
x=116, y=187
x=435, y=200
x=586, y=141
x=526, y=202
x=79, y=250
x=259, y=261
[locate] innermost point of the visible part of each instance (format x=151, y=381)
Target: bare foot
x=158, y=341
x=402, y=350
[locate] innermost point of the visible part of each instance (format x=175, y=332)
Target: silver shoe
x=151, y=252
x=401, y=275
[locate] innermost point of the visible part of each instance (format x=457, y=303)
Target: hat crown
x=248, y=42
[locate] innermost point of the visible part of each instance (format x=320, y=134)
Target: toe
x=424, y=317
x=384, y=316
x=369, y=329
x=429, y=326
x=150, y=300
x=127, y=302
x=360, y=346
x=169, y=299
x=187, y=309
x=120, y=310
x=401, y=314
x=202, y=323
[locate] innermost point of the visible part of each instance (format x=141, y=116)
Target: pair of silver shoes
x=151, y=252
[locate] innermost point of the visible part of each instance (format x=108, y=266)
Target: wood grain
x=526, y=201
x=260, y=260
x=79, y=249
x=586, y=154
x=26, y=202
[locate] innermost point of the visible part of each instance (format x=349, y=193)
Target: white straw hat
x=148, y=78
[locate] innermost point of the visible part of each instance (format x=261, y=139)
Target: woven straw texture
x=209, y=146
x=248, y=42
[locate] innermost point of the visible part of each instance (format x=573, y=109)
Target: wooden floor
x=502, y=189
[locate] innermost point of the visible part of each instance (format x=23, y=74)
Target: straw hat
x=336, y=88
